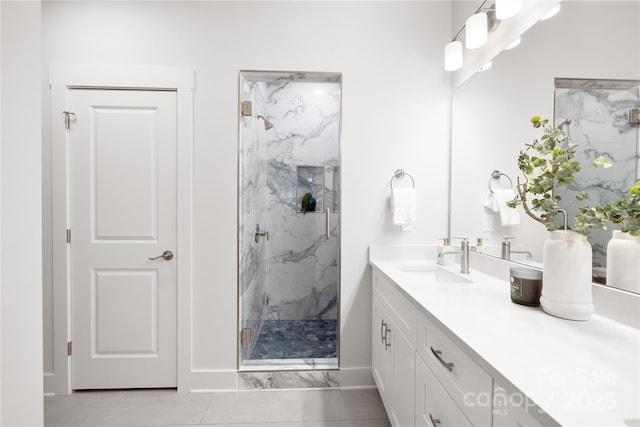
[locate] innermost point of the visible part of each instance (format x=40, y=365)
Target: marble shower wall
x=599, y=113
x=303, y=156
x=252, y=211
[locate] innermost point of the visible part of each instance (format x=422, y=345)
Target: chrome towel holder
x=496, y=174
x=399, y=174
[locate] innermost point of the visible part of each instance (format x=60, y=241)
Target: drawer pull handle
x=434, y=421
x=383, y=327
x=437, y=353
x=386, y=344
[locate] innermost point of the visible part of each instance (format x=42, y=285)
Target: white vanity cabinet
x=393, y=354
x=424, y=378
x=457, y=342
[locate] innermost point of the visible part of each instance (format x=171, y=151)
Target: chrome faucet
x=464, y=252
x=506, y=251
x=464, y=260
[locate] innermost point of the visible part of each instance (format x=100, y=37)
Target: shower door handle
x=327, y=222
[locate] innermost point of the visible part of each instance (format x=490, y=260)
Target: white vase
x=566, y=281
x=623, y=262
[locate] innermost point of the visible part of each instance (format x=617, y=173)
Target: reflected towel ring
x=496, y=174
x=401, y=174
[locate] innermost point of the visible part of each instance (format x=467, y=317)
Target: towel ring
x=401, y=174
x=496, y=174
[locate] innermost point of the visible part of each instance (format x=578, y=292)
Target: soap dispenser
x=445, y=247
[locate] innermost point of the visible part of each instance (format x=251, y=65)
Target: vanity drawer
x=402, y=310
x=434, y=407
x=467, y=383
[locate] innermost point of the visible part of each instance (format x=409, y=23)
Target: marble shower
x=289, y=278
x=600, y=125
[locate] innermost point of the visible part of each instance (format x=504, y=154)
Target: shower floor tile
x=296, y=339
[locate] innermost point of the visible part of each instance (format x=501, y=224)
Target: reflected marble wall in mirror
x=491, y=111
x=601, y=125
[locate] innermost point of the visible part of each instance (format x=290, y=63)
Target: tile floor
x=296, y=339
x=260, y=408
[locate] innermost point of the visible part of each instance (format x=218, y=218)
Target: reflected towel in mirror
x=491, y=202
x=508, y=216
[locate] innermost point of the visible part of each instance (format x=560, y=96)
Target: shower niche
x=320, y=184
x=289, y=189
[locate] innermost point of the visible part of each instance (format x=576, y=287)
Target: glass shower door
x=289, y=218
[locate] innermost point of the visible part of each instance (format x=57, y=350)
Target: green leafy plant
x=306, y=202
x=548, y=164
x=626, y=211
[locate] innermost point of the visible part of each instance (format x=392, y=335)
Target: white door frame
x=63, y=77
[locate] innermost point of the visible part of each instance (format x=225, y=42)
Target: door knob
x=166, y=255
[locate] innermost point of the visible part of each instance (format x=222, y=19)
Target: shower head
x=566, y=122
x=267, y=123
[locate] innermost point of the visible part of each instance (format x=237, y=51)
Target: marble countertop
x=578, y=373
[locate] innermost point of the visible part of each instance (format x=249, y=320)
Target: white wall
x=395, y=115
x=20, y=215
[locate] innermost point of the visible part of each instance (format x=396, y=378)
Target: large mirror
x=587, y=40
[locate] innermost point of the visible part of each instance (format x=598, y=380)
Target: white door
x=122, y=188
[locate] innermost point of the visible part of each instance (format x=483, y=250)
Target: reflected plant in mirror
x=626, y=211
x=548, y=164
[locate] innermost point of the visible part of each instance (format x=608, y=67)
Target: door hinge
x=67, y=118
x=69, y=348
x=245, y=108
x=68, y=235
x=245, y=336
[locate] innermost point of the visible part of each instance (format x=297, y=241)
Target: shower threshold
x=326, y=363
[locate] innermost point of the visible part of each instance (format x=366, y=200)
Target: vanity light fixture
x=505, y=9
x=477, y=30
x=453, y=55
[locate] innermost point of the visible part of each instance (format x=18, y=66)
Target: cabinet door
x=434, y=407
x=403, y=377
x=382, y=355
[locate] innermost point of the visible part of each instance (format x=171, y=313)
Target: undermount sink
x=432, y=274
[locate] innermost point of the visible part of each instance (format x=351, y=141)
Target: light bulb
x=476, y=30
x=505, y=9
x=453, y=55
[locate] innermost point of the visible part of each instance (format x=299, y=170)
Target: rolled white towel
x=403, y=206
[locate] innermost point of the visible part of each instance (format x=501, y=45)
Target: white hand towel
x=403, y=206
x=508, y=216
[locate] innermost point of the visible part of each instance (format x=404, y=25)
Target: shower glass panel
x=289, y=220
